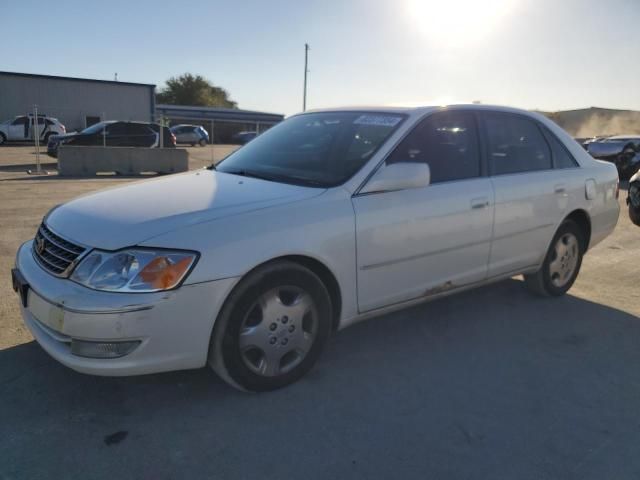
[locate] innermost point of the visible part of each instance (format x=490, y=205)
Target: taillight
x=63, y=128
x=173, y=139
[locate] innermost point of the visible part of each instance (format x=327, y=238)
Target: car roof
x=424, y=109
x=624, y=137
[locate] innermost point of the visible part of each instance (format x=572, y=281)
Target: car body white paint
x=385, y=250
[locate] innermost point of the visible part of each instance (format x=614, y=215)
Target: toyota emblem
x=39, y=245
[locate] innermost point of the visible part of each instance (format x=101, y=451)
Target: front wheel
x=561, y=264
x=634, y=203
x=272, y=328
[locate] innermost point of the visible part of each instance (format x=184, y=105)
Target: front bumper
x=173, y=327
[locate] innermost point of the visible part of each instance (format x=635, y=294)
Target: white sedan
x=328, y=218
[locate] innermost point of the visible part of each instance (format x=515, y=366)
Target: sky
x=536, y=54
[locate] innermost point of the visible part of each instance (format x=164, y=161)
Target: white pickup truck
x=22, y=129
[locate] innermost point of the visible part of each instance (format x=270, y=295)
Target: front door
x=420, y=242
x=19, y=129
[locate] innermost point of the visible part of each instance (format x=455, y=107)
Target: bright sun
x=457, y=22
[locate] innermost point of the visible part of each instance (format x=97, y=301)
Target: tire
x=561, y=264
x=3, y=139
x=202, y=142
x=634, y=203
x=272, y=328
x=634, y=215
x=624, y=161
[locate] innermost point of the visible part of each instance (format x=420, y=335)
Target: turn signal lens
x=162, y=273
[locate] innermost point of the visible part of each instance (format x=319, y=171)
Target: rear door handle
x=478, y=203
x=560, y=188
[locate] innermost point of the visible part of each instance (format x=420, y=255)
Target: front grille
x=54, y=253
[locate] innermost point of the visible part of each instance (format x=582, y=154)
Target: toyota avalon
x=328, y=218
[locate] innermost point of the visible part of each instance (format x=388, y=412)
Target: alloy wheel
x=564, y=260
x=278, y=331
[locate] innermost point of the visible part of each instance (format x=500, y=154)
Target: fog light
x=83, y=348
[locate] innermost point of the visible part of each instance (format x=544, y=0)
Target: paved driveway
x=493, y=383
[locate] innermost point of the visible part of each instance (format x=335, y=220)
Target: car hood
x=128, y=215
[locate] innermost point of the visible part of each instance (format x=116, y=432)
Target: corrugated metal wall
x=71, y=100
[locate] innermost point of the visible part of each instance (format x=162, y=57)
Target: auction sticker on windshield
x=379, y=120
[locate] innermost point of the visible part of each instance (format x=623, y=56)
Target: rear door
x=531, y=197
x=419, y=242
x=41, y=128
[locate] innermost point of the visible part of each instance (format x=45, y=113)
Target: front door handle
x=478, y=203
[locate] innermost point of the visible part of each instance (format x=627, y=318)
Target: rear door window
x=561, y=156
x=515, y=144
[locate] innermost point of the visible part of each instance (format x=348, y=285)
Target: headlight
x=134, y=270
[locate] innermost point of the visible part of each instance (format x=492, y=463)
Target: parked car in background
x=622, y=150
x=191, y=134
x=114, y=134
x=242, y=138
x=633, y=198
x=328, y=218
x=22, y=129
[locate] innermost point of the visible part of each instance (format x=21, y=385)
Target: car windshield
x=95, y=128
x=317, y=149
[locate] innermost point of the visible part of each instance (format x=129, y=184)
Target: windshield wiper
x=291, y=179
x=252, y=174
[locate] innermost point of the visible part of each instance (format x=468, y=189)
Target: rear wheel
x=203, y=142
x=272, y=328
x=624, y=162
x=634, y=203
x=3, y=139
x=561, y=264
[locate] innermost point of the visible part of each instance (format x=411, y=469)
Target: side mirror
x=399, y=176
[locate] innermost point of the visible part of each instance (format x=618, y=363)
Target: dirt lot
x=493, y=383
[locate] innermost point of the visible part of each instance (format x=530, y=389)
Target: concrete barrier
x=84, y=161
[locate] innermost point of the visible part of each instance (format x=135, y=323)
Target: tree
x=194, y=90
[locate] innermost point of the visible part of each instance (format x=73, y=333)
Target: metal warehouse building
x=80, y=102
x=76, y=102
x=221, y=123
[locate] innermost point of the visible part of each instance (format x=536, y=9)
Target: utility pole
x=306, y=70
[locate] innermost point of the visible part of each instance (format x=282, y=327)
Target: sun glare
x=457, y=22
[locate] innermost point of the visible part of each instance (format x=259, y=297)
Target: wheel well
x=327, y=278
x=584, y=222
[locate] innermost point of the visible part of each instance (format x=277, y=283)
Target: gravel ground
x=493, y=383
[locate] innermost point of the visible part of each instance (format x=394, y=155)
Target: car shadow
x=485, y=384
